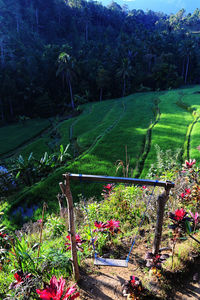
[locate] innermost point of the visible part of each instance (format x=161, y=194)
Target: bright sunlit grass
x=170, y=131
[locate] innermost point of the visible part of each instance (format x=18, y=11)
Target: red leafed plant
x=111, y=225
x=79, y=242
x=55, y=290
x=107, y=190
x=132, y=288
x=189, y=164
x=21, y=278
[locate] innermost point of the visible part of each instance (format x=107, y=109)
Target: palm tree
x=66, y=69
x=186, y=50
x=124, y=72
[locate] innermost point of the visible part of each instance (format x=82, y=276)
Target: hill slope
x=100, y=134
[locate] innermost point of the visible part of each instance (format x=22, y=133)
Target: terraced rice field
x=139, y=122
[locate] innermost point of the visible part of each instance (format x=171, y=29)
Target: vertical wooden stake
x=65, y=188
x=162, y=199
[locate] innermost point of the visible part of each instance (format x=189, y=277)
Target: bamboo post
x=65, y=188
x=60, y=198
x=162, y=199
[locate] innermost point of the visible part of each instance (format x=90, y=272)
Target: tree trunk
x=187, y=67
x=10, y=106
x=37, y=19
x=162, y=199
x=183, y=68
x=86, y=32
x=71, y=93
x=124, y=87
x=65, y=188
x=2, y=54
x=1, y=110
x=17, y=21
x=100, y=96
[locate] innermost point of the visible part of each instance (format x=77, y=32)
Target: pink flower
x=189, y=164
x=39, y=221
x=194, y=217
x=180, y=214
x=54, y=291
x=144, y=187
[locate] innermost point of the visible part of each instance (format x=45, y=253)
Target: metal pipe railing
x=100, y=178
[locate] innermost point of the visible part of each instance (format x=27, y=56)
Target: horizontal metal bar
x=99, y=178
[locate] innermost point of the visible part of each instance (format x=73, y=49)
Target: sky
x=166, y=6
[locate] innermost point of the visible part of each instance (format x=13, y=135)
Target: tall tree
x=66, y=69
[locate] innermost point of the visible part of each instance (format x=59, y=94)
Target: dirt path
x=106, y=284
x=190, y=287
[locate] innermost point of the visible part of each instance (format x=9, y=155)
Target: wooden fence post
x=65, y=188
x=162, y=199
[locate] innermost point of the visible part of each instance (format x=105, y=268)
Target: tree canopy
x=55, y=51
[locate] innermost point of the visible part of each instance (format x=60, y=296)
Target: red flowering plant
x=111, y=226
x=105, y=231
x=55, y=290
x=189, y=164
x=186, y=195
x=132, y=288
x=107, y=190
x=154, y=263
x=24, y=285
x=179, y=218
x=100, y=227
x=20, y=277
x=155, y=260
x=79, y=242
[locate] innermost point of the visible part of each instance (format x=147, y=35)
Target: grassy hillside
x=100, y=134
x=12, y=136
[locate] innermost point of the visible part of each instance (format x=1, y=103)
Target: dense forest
x=56, y=54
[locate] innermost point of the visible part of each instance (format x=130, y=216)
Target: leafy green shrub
x=56, y=262
x=123, y=204
x=55, y=226
x=167, y=163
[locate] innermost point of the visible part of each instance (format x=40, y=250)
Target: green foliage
x=55, y=226
x=21, y=255
x=56, y=262
x=12, y=136
x=167, y=163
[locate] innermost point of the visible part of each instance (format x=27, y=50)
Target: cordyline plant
x=112, y=226
x=55, y=290
x=181, y=225
x=132, y=288
x=154, y=263
x=24, y=286
x=107, y=190
x=190, y=170
x=79, y=242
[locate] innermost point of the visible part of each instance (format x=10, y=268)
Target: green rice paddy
x=104, y=129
